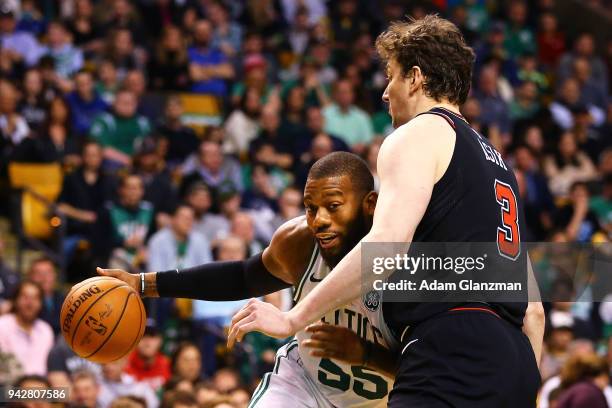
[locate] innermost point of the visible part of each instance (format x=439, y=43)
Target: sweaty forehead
x=327, y=186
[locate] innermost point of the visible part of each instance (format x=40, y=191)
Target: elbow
x=535, y=313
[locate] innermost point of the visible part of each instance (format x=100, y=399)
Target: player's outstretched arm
x=267, y=272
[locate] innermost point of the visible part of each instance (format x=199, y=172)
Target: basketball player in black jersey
x=440, y=182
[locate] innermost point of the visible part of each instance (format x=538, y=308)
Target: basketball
x=102, y=319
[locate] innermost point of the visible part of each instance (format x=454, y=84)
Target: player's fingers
x=323, y=336
x=115, y=273
x=323, y=353
x=242, y=313
x=238, y=331
x=315, y=344
x=316, y=326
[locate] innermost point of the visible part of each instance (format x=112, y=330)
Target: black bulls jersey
x=476, y=200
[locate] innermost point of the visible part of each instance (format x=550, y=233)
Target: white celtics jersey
x=342, y=384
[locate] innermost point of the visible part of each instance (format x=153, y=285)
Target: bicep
x=407, y=176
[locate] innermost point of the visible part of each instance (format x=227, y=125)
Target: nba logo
x=95, y=325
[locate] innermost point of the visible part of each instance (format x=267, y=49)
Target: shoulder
x=7, y=319
x=330, y=109
x=290, y=249
x=44, y=328
x=424, y=132
x=198, y=239
x=160, y=237
x=425, y=144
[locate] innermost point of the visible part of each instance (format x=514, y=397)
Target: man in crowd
x=120, y=130
x=84, y=193
x=42, y=272
x=208, y=66
x=181, y=140
x=84, y=102
x=22, y=334
x=347, y=121
x=129, y=221
x=85, y=389
x=212, y=168
x=117, y=383
x=147, y=363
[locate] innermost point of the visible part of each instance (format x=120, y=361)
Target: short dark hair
x=42, y=259
x=125, y=177
x=84, y=374
x=184, y=345
x=338, y=164
x=21, y=285
x=437, y=47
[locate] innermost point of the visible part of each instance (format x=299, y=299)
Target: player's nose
x=321, y=220
x=385, y=95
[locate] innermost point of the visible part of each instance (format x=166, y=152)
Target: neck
x=179, y=236
x=428, y=104
x=24, y=324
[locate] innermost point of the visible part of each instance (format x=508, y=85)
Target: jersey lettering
x=491, y=154
x=508, y=234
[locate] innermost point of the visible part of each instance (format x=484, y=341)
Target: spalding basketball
x=102, y=319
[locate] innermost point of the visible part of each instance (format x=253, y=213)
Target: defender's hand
x=262, y=317
x=131, y=279
x=340, y=343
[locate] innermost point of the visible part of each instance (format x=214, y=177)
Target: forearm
x=534, y=320
x=73, y=212
x=217, y=281
x=113, y=154
x=533, y=327
x=574, y=225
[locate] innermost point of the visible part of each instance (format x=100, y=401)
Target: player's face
x=398, y=95
x=337, y=215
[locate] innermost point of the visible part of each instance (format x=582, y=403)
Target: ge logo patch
x=371, y=300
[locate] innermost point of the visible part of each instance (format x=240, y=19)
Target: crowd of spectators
x=98, y=86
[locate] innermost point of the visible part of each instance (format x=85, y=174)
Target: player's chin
x=333, y=254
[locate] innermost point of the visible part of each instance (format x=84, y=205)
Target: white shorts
x=288, y=385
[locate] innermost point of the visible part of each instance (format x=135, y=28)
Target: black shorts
x=466, y=359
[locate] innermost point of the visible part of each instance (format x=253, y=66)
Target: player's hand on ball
x=262, y=317
x=340, y=343
x=131, y=279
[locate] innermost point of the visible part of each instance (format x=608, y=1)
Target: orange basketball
x=102, y=319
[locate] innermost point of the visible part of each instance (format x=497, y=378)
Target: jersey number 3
x=508, y=234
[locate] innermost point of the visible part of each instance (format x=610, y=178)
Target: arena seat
x=36, y=186
x=200, y=111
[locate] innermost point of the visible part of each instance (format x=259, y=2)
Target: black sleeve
x=217, y=281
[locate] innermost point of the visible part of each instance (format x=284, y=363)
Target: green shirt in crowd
x=353, y=126
x=602, y=209
x=119, y=133
x=127, y=222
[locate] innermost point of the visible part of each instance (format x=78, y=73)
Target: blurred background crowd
x=159, y=134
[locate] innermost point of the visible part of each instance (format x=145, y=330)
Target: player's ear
x=416, y=78
x=369, y=202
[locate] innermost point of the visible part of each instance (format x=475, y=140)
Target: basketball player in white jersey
x=345, y=360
